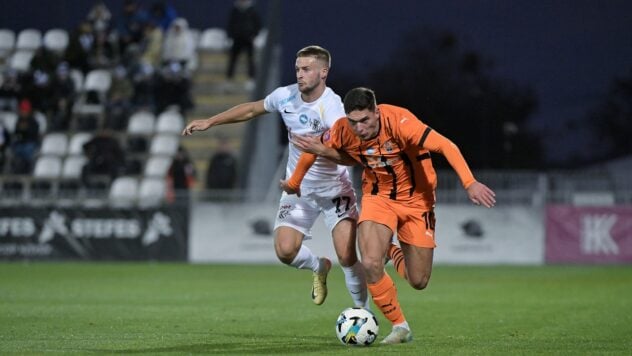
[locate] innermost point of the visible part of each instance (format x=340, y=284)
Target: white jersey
x=308, y=119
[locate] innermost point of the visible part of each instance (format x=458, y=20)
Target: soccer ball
x=357, y=326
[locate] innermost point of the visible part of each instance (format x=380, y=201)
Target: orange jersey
x=397, y=162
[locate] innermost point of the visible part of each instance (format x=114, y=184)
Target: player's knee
x=286, y=254
x=373, y=267
x=347, y=258
x=286, y=259
x=420, y=282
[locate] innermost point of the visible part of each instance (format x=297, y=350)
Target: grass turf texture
x=151, y=308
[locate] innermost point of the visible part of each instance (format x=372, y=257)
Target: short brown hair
x=319, y=52
x=359, y=99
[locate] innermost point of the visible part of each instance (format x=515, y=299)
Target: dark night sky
x=567, y=51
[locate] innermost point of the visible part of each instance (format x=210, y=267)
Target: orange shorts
x=413, y=222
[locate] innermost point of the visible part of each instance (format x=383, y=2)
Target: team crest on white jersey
x=316, y=125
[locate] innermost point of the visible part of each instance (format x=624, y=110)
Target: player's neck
x=314, y=94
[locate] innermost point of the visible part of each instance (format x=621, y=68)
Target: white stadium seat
x=152, y=192
x=47, y=167
x=157, y=166
x=54, y=144
x=9, y=119
x=170, y=121
x=123, y=192
x=73, y=166
x=41, y=121
x=77, y=141
x=7, y=42
x=77, y=78
x=29, y=39
x=164, y=145
x=214, y=40
x=56, y=39
x=141, y=123
x=99, y=80
x=21, y=60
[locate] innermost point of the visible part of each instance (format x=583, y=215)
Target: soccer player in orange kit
x=398, y=186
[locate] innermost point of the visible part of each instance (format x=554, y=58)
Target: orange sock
x=397, y=257
x=384, y=295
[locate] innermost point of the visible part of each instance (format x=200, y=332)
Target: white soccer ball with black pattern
x=357, y=326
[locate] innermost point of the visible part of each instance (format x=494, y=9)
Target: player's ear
x=324, y=72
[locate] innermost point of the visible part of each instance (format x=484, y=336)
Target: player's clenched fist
x=196, y=125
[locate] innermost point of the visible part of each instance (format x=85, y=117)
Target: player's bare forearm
x=312, y=144
x=236, y=114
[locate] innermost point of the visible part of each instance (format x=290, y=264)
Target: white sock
x=305, y=259
x=355, y=279
x=403, y=325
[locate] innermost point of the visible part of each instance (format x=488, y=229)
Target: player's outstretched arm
x=238, y=113
x=478, y=192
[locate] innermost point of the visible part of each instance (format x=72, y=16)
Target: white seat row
x=215, y=39
x=129, y=191
x=55, y=167
x=30, y=39
x=58, y=144
x=146, y=123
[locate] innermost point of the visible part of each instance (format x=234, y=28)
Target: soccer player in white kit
x=309, y=107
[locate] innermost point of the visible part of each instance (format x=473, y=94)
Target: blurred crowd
x=148, y=51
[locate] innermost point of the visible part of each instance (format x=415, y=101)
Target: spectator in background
x=64, y=93
x=181, y=177
x=5, y=139
x=63, y=85
x=244, y=24
x=222, y=168
x=178, y=45
x=131, y=25
x=163, y=14
x=44, y=60
x=102, y=54
x=144, y=87
x=119, y=103
x=39, y=91
x=105, y=158
x=79, y=47
x=99, y=17
x=173, y=87
x=25, y=140
x=10, y=91
x=152, y=44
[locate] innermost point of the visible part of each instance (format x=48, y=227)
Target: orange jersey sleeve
x=302, y=166
x=434, y=141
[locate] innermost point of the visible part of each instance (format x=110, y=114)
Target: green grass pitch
x=165, y=308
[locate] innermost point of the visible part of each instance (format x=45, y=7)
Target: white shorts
x=336, y=203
